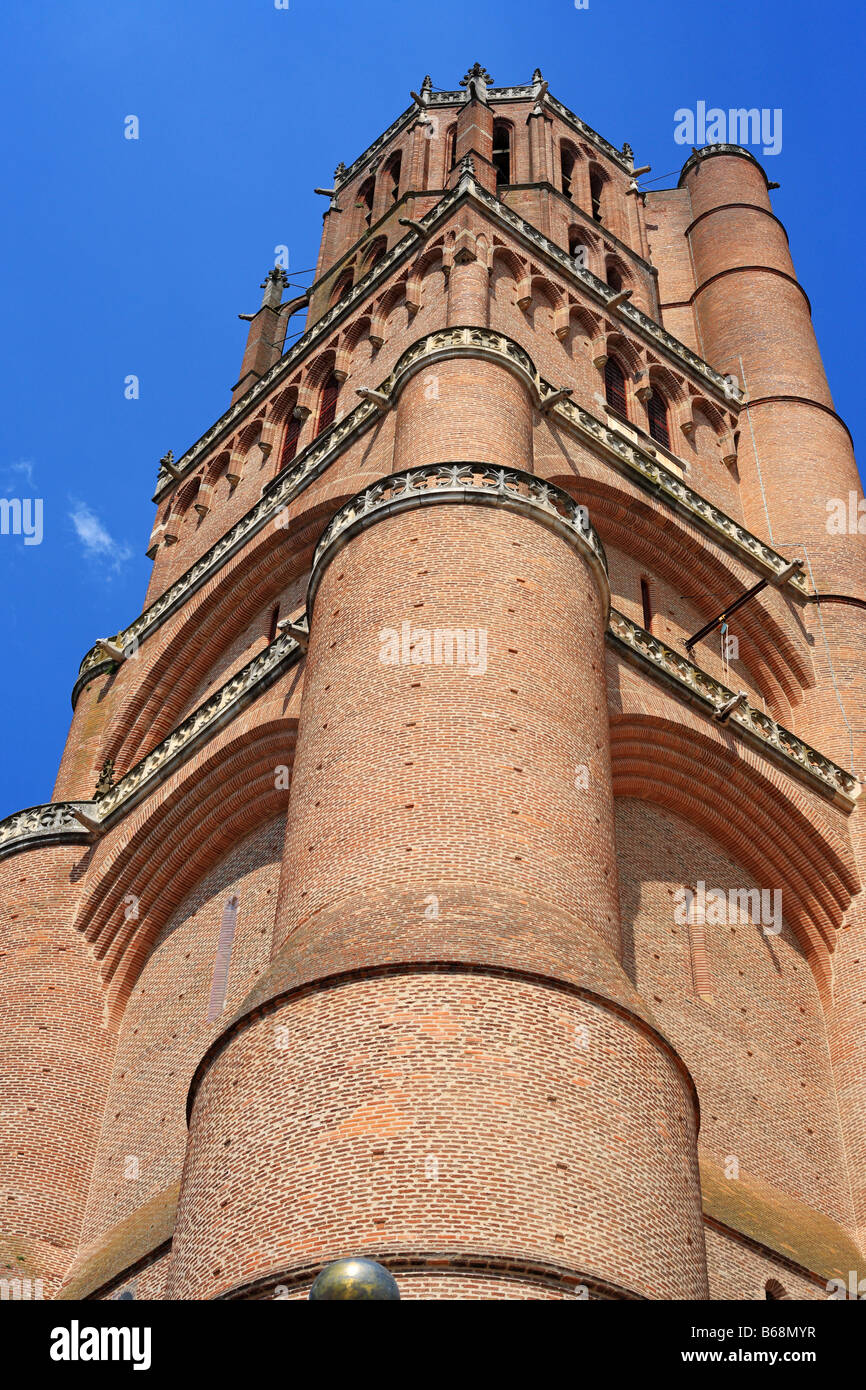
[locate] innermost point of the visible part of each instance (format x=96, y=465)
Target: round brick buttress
x=445, y=1027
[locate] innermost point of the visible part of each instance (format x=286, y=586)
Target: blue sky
x=135, y=257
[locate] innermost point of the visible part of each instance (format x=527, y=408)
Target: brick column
x=755, y=322
x=445, y=1029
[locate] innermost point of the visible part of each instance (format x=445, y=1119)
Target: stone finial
x=539, y=92
x=339, y=172
x=628, y=151
x=427, y=84
x=476, y=82
x=467, y=166
x=273, y=285
x=106, y=779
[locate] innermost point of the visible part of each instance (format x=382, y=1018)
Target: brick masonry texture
x=462, y=1028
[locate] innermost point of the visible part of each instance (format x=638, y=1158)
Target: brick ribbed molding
x=510, y=488
x=467, y=188
x=629, y=458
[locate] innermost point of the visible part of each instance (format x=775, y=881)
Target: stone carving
x=41, y=825
x=760, y=729
x=460, y=482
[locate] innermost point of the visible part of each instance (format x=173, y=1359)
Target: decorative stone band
x=477, y=483
x=708, y=151
x=57, y=822
x=467, y=188
x=42, y=825
x=770, y=738
x=628, y=457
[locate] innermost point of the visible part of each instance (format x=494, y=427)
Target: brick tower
x=414, y=886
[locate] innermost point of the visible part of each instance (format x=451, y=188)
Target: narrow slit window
x=328, y=404
x=657, y=413
x=393, y=176
x=596, y=188
x=365, y=200
x=502, y=154
x=646, y=605
x=614, y=387
x=272, y=625
x=222, y=961
x=290, y=439
x=698, y=950
x=567, y=171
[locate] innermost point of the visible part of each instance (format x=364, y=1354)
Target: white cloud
x=97, y=543
x=14, y=473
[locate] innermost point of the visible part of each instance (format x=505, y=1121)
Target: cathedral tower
x=457, y=862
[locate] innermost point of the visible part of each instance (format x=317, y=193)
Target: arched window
x=328, y=403
x=290, y=440
x=365, y=199
x=392, y=177
x=596, y=188
x=376, y=252
x=578, y=250
x=613, y=277
x=657, y=413
x=566, y=165
x=450, y=148
x=614, y=387
x=502, y=153
x=342, y=287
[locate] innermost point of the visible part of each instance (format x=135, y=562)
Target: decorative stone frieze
x=759, y=729
x=478, y=483
x=46, y=824
x=53, y=823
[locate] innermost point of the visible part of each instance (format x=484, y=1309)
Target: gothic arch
x=682, y=556
x=218, y=798
x=748, y=808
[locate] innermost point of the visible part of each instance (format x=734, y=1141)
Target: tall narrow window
x=502, y=153
x=646, y=605
x=577, y=250
x=698, y=948
x=596, y=186
x=614, y=387
x=566, y=164
x=328, y=404
x=376, y=252
x=613, y=277
x=290, y=440
x=450, y=147
x=657, y=412
x=220, y=977
x=342, y=287
x=365, y=199
x=392, y=174
x=272, y=625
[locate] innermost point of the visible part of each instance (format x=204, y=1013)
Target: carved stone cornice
x=628, y=457
x=56, y=822
x=42, y=825
x=760, y=730
x=480, y=484
x=710, y=151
